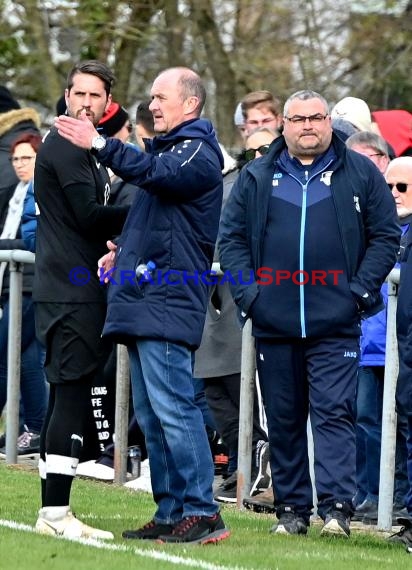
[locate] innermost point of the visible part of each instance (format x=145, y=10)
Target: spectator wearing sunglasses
x=258, y=109
x=369, y=397
x=399, y=179
x=307, y=208
x=258, y=141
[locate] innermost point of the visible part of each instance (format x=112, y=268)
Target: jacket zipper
x=302, y=314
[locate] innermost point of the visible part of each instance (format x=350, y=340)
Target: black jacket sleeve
x=93, y=218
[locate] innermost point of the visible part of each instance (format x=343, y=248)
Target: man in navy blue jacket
x=173, y=223
x=308, y=235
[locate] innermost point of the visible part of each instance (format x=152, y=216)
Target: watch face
x=99, y=143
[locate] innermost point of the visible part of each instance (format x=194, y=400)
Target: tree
x=357, y=48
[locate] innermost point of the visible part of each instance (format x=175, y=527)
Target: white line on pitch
x=154, y=554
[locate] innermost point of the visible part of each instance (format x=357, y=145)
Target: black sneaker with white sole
x=289, y=522
x=337, y=521
x=227, y=490
x=28, y=443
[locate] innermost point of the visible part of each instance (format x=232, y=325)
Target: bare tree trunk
x=220, y=66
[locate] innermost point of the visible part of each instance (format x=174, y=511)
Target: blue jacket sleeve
x=29, y=221
x=186, y=172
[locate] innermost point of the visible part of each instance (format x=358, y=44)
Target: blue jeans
x=181, y=464
x=33, y=387
x=369, y=430
x=369, y=404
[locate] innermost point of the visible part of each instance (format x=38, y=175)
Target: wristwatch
x=98, y=143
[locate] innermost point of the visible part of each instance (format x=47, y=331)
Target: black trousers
x=223, y=398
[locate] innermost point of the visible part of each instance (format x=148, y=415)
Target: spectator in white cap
x=355, y=111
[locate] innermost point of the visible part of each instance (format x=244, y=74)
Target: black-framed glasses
x=400, y=186
x=23, y=159
x=301, y=119
x=250, y=153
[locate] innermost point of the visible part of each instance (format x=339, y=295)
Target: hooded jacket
x=12, y=124
x=366, y=229
x=173, y=222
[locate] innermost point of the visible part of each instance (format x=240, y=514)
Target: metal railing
x=17, y=259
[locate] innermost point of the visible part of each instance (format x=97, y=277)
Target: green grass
x=117, y=508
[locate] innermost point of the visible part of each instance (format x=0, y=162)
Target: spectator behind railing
x=33, y=386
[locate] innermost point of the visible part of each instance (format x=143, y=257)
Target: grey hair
x=368, y=138
x=304, y=95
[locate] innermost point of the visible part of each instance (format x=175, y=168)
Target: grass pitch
x=115, y=508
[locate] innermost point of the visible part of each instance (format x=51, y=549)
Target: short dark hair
x=33, y=139
x=93, y=67
x=145, y=117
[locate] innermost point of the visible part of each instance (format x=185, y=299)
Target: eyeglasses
x=23, y=159
x=301, y=119
x=261, y=123
x=400, y=186
x=250, y=153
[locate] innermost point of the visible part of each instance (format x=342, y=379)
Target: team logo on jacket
x=326, y=176
x=276, y=177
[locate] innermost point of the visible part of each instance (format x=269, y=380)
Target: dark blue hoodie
x=173, y=222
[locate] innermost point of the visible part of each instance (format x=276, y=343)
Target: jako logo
x=350, y=354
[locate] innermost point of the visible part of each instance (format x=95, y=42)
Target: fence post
x=247, y=388
x=121, y=420
x=16, y=258
x=14, y=360
x=388, y=438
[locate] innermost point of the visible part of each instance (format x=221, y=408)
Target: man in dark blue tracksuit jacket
x=315, y=226
x=173, y=222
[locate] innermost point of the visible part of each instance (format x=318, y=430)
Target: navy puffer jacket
x=173, y=222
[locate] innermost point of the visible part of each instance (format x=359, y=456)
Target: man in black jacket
x=308, y=235
x=72, y=190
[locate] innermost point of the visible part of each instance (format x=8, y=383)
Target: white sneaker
x=50, y=523
x=95, y=470
x=142, y=483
